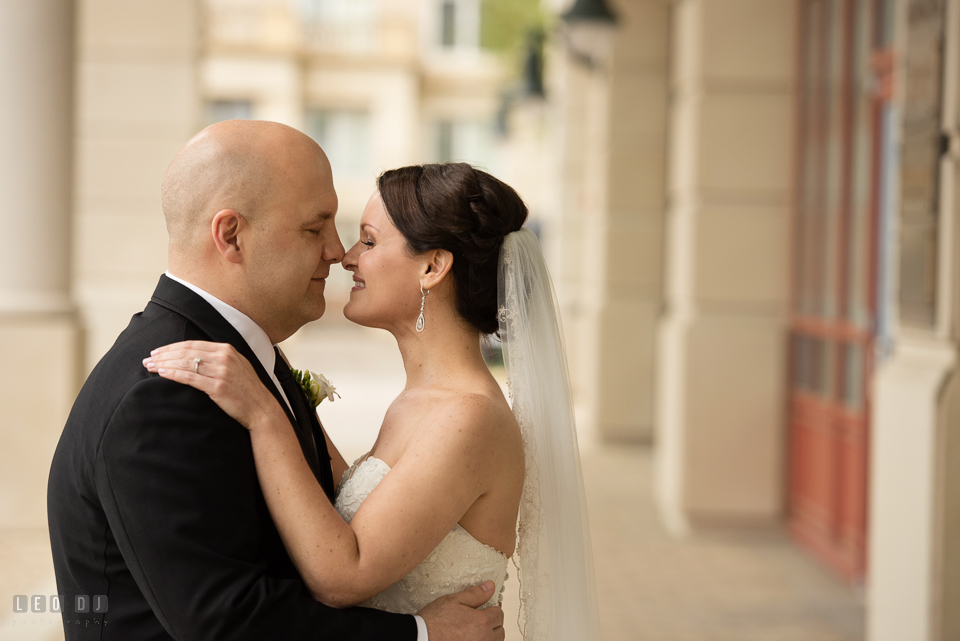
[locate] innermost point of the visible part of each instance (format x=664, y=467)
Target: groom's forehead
x=316, y=204
x=326, y=205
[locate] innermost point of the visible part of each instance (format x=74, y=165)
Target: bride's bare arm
x=396, y=527
x=440, y=475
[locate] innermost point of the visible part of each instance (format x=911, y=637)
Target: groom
x=155, y=513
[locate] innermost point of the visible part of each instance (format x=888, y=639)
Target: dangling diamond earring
x=422, y=302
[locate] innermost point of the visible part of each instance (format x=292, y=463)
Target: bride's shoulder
x=451, y=420
x=458, y=432
x=472, y=419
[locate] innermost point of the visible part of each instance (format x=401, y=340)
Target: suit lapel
x=309, y=421
x=181, y=300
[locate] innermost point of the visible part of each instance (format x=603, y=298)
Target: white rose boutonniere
x=315, y=386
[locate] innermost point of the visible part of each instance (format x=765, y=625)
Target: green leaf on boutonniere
x=315, y=386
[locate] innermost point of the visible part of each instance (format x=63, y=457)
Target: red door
x=844, y=92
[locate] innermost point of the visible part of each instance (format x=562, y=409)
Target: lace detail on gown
x=458, y=562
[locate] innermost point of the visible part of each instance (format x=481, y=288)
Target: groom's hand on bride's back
x=455, y=617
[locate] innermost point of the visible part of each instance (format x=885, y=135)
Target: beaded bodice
x=458, y=562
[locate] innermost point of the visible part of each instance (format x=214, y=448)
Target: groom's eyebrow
x=320, y=217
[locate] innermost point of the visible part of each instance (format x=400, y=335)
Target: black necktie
x=299, y=404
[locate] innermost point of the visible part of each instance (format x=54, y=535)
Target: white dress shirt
x=252, y=333
x=262, y=348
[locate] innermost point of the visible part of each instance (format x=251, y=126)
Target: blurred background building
x=748, y=207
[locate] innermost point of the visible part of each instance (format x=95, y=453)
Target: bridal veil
x=557, y=588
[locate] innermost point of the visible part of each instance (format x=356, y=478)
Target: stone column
x=722, y=346
x=627, y=279
x=612, y=177
x=915, y=401
x=36, y=116
x=38, y=333
x=138, y=103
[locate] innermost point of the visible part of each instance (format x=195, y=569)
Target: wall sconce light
x=588, y=28
x=531, y=85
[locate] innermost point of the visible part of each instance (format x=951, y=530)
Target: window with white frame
x=346, y=25
x=470, y=141
x=344, y=135
x=448, y=24
x=219, y=110
x=923, y=153
x=457, y=24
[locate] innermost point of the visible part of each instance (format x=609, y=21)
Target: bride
x=442, y=261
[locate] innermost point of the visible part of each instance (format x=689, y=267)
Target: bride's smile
x=385, y=271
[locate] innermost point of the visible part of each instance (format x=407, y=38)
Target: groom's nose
x=333, y=248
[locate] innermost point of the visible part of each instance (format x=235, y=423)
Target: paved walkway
x=26, y=568
x=719, y=586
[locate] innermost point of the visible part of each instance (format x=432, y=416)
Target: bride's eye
x=368, y=243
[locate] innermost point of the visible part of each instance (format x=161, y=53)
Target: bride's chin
x=357, y=317
x=350, y=313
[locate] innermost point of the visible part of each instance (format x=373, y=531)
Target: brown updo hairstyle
x=465, y=211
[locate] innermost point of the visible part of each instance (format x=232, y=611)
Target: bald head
x=229, y=165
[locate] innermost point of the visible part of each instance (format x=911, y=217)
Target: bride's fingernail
x=161, y=371
x=487, y=586
x=154, y=351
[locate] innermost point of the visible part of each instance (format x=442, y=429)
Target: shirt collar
x=252, y=333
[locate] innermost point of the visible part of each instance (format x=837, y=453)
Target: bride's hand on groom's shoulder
x=455, y=617
x=221, y=372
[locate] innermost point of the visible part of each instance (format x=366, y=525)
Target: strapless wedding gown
x=458, y=562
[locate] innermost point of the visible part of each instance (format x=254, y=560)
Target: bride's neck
x=443, y=352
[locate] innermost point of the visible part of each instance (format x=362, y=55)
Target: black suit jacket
x=153, y=501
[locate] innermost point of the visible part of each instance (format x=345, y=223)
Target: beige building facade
x=378, y=84
x=809, y=144
x=609, y=196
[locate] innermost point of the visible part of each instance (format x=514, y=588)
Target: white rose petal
x=322, y=387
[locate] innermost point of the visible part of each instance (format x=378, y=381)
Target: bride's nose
x=349, y=261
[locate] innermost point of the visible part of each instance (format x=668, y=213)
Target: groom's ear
x=225, y=228
x=436, y=266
